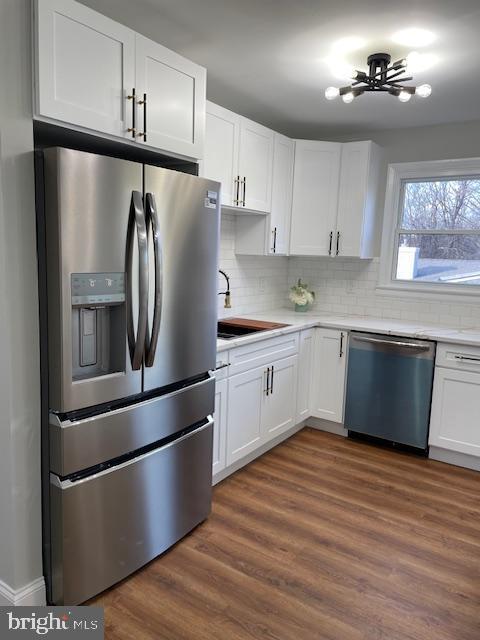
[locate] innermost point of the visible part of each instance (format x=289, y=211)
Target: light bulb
x=331, y=93
x=348, y=97
x=404, y=96
x=424, y=90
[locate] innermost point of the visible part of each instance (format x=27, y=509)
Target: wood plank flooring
x=321, y=538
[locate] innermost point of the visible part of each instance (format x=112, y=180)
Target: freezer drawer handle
x=394, y=343
x=137, y=221
x=152, y=340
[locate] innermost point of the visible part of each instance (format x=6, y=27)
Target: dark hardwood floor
x=321, y=538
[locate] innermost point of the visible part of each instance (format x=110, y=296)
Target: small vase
x=302, y=307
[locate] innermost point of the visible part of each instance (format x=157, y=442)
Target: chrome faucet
x=227, y=304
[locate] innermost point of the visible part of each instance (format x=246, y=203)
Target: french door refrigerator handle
x=152, y=340
x=137, y=221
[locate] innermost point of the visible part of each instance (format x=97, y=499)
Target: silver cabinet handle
x=467, y=358
x=271, y=379
x=236, y=182
x=330, y=244
x=144, y=132
x=137, y=221
x=267, y=387
x=152, y=340
x=133, y=129
x=338, y=243
x=341, y=345
x=244, y=182
x=395, y=343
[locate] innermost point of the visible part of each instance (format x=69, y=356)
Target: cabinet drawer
x=222, y=365
x=262, y=352
x=457, y=356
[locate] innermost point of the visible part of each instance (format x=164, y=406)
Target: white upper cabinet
x=85, y=67
x=282, y=184
x=88, y=68
x=175, y=99
x=255, y=166
x=269, y=235
x=315, y=197
x=356, y=220
x=220, y=163
x=239, y=153
x=334, y=210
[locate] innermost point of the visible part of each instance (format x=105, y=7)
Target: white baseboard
x=453, y=457
x=32, y=595
x=326, y=425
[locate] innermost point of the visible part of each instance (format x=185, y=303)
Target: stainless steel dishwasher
x=389, y=388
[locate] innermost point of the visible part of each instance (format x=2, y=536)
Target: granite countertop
x=297, y=321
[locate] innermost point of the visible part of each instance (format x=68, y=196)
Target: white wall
x=20, y=499
x=257, y=283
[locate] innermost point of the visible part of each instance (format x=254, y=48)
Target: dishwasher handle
x=387, y=342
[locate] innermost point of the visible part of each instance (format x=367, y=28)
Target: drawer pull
x=467, y=358
x=221, y=365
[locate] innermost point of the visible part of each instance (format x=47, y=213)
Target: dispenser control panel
x=97, y=288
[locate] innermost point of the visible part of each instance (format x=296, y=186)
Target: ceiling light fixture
x=382, y=76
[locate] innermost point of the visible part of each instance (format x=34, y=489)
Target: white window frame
x=398, y=173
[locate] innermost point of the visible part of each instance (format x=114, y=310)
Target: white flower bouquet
x=301, y=296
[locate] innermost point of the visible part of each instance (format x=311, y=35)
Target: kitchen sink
x=228, y=331
x=236, y=327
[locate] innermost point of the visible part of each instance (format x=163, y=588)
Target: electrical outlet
x=262, y=285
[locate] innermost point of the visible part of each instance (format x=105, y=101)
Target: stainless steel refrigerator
x=131, y=266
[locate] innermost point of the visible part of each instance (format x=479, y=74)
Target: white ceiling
x=266, y=58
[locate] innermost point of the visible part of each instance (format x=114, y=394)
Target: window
x=432, y=224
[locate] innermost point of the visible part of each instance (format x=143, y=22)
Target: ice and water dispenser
x=98, y=324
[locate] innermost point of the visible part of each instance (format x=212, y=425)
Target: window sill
x=419, y=291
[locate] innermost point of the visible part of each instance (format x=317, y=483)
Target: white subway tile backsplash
x=347, y=285
x=342, y=286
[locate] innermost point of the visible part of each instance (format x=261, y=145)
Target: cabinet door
x=328, y=380
x=245, y=400
x=279, y=232
x=454, y=422
x=255, y=166
x=221, y=151
x=279, y=404
x=85, y=67
x=175, y=89
x=315, y=198
x=220, y=426
x=305, y=359
x=353, y=197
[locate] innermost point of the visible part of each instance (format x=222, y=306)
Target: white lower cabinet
x=261, y=405
x=329, y=370
x=305, y=360
x=220, y=426
x=278, y=410
x=454, y=422
x=244, y=422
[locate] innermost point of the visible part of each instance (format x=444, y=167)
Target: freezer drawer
x=106, y=526
x=85, y=443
